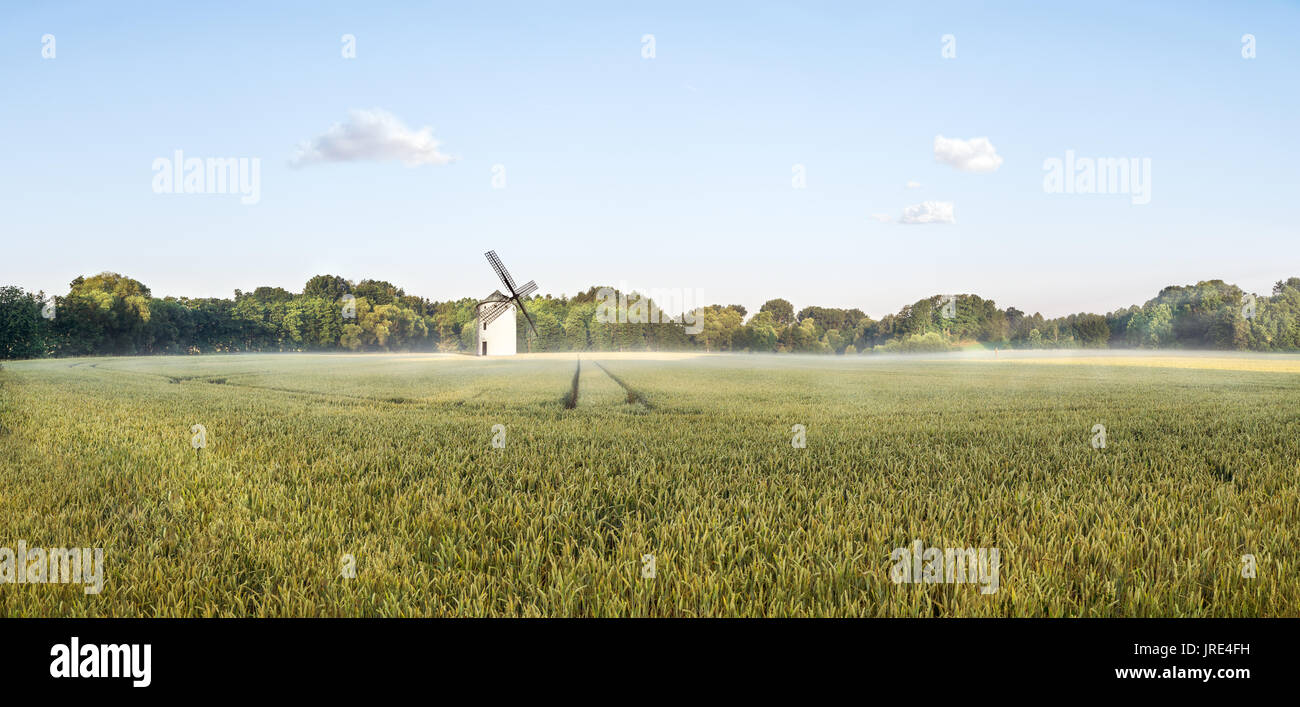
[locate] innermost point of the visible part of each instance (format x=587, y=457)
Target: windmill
x=498, y=303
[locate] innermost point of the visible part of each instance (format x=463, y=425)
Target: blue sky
x=674, y=171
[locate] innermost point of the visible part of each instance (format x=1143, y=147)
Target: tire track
x=571, y=399
x=633, y=395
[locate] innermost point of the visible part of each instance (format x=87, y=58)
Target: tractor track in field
x=633, y=395
x=393, y=400
x=571, y=399
x=203, y=377
x=396, y=400
x=216, y=379
x=228, y=380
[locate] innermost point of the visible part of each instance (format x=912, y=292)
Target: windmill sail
x=516, y=293
x=526, y=316
x=501, y=271
x=496, y=310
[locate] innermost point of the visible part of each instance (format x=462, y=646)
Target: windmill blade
x=526, y=315
x=501, y=271
x=498, y=308
x=516, y=293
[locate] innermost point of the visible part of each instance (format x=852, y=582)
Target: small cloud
x=372, y=136
x=974, y=155
x=928, y=212
x=883, y=218
x=913, y=185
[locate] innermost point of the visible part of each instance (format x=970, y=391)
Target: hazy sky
x=672, y=171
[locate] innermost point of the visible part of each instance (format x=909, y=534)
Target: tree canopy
x=110, y=313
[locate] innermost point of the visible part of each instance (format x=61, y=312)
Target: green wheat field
x=390, y=459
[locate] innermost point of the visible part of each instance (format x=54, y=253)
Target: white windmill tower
x=496, y=334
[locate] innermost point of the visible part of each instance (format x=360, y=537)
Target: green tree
x=781, y=310
x=105, y=313
x=328, y=287
x=721, y=325
x=577, y=333
x=1092, y=331
x=22, y=330
x=378, y=291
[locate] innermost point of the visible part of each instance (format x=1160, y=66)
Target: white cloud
x=974, y=155
x=913, y=185
x=372, y=135
x=928, y=212
x=883, y=218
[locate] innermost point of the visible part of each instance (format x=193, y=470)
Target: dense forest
x=112, y=314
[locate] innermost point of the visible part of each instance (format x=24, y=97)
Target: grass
x=388, y=458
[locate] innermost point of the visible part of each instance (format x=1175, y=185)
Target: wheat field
x=459, y=486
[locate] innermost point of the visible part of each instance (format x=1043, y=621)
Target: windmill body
x=496, y=314
x=497, y=336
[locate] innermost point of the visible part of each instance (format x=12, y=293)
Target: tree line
x=111, y=314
